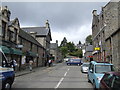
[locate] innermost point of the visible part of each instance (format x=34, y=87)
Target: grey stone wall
x=111, y=18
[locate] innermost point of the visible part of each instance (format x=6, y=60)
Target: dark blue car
x=74, y=62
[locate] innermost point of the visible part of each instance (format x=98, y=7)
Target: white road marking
x=61, y=80
x=65, y=74
x=59, y=83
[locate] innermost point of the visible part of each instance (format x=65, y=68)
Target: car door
x=107, y=81
x=116, y=82
x=91, y=72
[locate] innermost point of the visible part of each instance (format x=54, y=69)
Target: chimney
x=94, y=12
x=57, y=41
x=47, y=24
x=33, y=34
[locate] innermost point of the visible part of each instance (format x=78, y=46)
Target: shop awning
x=15, y=51
x=29, y=53
x=5, y=49
x=32, y=54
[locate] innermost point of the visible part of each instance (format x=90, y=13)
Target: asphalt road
x=58, y=76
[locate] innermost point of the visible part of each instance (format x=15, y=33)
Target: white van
x=7, y=73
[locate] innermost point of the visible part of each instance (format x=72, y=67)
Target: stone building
x=9, y=35
x=55, y=52
x=112, y=33
x=16, y=43
x=43, y=36
x=88, y=53
x=106, y=34
x=98, y=36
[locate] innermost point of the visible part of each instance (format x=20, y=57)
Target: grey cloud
x=61, y=15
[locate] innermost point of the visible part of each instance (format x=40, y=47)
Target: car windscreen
x=3, y=61
x=76, y=60
x=103, y=68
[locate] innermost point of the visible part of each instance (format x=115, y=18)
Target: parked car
x=74, y=62
x=84, y=67
x=96, y=72
x=111, y=80
x=59, y=61
x=7, y=73
x=66, y=59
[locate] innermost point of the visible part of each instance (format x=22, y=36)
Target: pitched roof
x=28, y=37
x=39, y=30
x=53, y=45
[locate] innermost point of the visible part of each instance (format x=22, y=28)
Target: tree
x=63, y=42
x=77, y=53
x=79, y=43
x=70, y=46
x=89, y=39
x=64, y=51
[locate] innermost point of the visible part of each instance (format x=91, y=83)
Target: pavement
x=27, y=71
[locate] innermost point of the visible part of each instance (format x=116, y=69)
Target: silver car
x=84, y=67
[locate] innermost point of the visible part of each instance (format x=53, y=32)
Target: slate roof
x=53, y=45
x=39, y=30
x=28, y=37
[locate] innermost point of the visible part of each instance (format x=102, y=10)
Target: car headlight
x=2, y=76
x=99, y=78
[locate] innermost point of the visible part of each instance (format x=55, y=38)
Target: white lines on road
x=65, y=74
x=59, y=83
x=61, y=79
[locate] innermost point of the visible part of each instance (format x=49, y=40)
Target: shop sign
x=97, y=48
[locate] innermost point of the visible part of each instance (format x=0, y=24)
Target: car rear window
x=103, y=68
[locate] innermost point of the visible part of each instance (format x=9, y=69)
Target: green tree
x=77, y=53
x=89, y=39
x=79, y=43
x=70, y=46
x=63, y=42
x=64, y=51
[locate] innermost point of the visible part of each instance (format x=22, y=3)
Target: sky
x=72, y=20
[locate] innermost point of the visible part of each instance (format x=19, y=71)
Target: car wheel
x=94, y=86
x=7, y=85
x=78, y=64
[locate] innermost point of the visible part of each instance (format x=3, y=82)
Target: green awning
x=32, y=54
x=15, y=51
x=5, y=49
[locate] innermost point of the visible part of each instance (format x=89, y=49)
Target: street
x=58, y=76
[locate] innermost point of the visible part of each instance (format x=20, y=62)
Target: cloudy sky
x=67, y=19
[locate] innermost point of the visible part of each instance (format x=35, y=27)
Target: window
x=31, y=45
x=15, y=35
x=91, y=67
x=103, y=68
x=0, y=31
x=11, y=36
x=116, y=83
x=3, y=29
x=108, y=79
